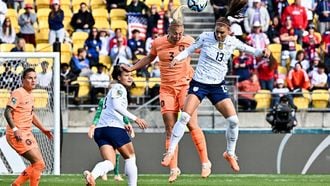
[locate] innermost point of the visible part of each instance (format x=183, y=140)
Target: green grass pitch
x=191, y=180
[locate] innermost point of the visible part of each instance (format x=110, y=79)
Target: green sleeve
x=126, y=120
x=98, y=112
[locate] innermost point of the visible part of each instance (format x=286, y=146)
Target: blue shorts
x=215, y=92
x=114, y=136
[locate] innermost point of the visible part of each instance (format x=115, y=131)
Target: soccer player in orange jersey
x=20, y=116
x=173, y=89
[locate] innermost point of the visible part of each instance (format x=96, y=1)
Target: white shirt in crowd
x=317, y=78
x=99, y=80
x=44, y=79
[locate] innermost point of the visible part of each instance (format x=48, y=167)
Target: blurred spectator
x=83, y=20
x=267, y=72
x=20, y=45
x=323, y=11
x=299, y=18
x=55, y=22
x=3, y=11
x=105, y=39
x=254, y=14
x=137, y=6
x=311, y=42
x=250, y=87
x=269, y=5
x=288, y=41
x=310, y=6
x=66, y=78
x=136, y=45
x=80, y=64
x=220, y=8
x=167, y=17
x=93, y=45
x=9, y=78
x=151, y=39
x=44, y=78
x=111, y=4
x=273, y=31
x=155, y=72
x=118, y=34
x=257, y=38
x=326, y=48
x=243, y=64
x=99, y=83
x=300, y=58
x=121, y=53
x=319, y=78
x=7, y=32
x=279, y=91
x=153, y=18
x=26, y=21
x=314, y=64
x=236, y=28
x=298, y=78
x=281, y=5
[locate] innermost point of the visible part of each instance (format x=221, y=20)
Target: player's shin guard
x=23, y=177
x=102, y=168
x=116, y=171
x=131, y=171
x=198, y=138
x=232, y=134
x=178, y=131
x=38, y=167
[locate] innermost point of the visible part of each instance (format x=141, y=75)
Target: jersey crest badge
x=195, y=89
x=220, y=46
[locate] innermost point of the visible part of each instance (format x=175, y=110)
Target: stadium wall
x=306, y=151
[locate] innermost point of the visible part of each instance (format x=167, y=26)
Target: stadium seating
x=29, y=47
x=119, y=24
x=118, y=14
x=320, y=98
x=84, y=88
x=44, y=47
x=2, y=69
x=42, y=36
x=105, y=60
x=42, y=4
x=18, y=70
x=6, y=47
x=95, y=4
x=302, y=102
x=102, y=23
x=79, y=38
x=14, y=22
x=276, y=50
x=263, y=99
x=11, y=13
x=153, y=2
x=100, y=13
x=40, y=98
x=4, y=96
x=65, y=4
x=42, y=14
x=140, y=86
x=153, y=81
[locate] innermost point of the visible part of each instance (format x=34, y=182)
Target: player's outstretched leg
x=131, y=171
x=231, y=137
x=174, y=170
x=177, y=133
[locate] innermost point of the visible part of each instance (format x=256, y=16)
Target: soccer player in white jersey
x=208, y=80
x=111, y=132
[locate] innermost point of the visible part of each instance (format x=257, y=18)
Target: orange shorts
x=28, y=142
x=172, y=97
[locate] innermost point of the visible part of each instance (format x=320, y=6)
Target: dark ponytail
x=234, y=10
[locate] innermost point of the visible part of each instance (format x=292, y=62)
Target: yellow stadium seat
x=96, y=4
x=79, y=38
x=119, y=24
x=40, y=98
x=42, y=4
x=6, y=47
x=42, y=36
x=320, y=98
x=42, y=14
x=263, y=99
x=282, y=70
x=2, y=69
x=18, y=70
x=290, y=2
x=298, y=47
x=276, y=50
x=4, y=96
x=100, y=13
x=66, y=48
x=11, y=13
x=102, y=23
x=105, y=60
x=118, y=14
x=65, y=4
x=153, y=81
x=65, y=58
x=44, y=47
x=84, y=88
x=140, y=86
x=43, y=25
x=153, y=2
x=303, y=101
x=29, y=47
x=14, y=22
x=29, y=2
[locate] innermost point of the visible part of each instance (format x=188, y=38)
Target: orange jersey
x=22, y=104
x=166, y=51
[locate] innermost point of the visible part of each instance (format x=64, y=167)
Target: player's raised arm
x=140, y=64
x=251, y=50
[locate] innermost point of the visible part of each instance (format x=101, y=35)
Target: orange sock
x=38, y=167
x=198, y=138
x=23, y=177
x=174, y=162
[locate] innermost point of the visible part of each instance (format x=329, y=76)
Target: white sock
x=102, y=168
x=178, y=131
x=232, y=134
x=131, y=171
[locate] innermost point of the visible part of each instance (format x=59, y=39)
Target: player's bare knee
x=233, y=121
x=39, y=165
x=184, y=118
